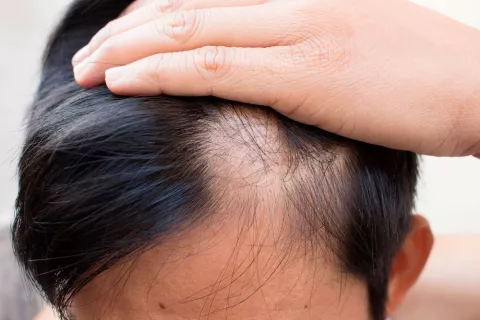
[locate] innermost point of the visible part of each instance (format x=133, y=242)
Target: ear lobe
x=409, y=262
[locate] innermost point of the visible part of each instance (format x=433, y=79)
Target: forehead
x=229, y=269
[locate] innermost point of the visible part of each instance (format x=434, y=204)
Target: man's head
x=200, y=208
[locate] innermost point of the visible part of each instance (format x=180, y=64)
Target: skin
x=451, y=269
x=355, y=68
x=222, y=269
x=358, y=68
x=449, y=288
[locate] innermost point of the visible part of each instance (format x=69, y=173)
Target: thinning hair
x=103, y=176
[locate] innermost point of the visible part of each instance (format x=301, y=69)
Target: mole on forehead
x=220, y=268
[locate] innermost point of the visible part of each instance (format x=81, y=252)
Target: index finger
x=135, y=6
x=142, y=12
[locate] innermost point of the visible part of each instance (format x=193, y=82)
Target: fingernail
x=80, y=69
x=120, y=81
x=113, y=75
x=81, y=55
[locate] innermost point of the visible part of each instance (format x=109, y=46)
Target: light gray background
x=449, y=193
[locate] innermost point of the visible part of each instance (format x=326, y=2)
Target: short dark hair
x=103, y=176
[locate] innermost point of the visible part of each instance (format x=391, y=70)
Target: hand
x=386, y=72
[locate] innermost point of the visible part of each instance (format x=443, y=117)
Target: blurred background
x=449, y=191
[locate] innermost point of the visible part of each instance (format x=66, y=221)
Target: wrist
x=470, y=122
x=466, y=111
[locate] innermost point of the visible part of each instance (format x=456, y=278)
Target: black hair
x=102, y=177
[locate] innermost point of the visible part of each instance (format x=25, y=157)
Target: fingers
x=148, y=12
x=137, y=4
x=142, y=12
x=185, y=30
x=191, y=4
x=242, y=74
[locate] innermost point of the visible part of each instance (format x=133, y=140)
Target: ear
x=409, y=262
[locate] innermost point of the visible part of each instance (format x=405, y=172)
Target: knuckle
x=212, y=62
x=184, y=25
x=325, y=53
x=164, y=6
x=175, y=4
x=330, y=48
x=152, y=69
x=159, y=8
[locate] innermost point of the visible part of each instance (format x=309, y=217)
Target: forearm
x=468, y=124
